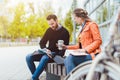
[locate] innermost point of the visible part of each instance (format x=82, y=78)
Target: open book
x=76, y=52
x=44, y=51
x=58, y=59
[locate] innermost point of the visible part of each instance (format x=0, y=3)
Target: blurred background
x=23, y=23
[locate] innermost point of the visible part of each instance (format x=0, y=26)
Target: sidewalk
x=13, y=64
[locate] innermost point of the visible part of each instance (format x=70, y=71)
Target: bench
x=55, y=71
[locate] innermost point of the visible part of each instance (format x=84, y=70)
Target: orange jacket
x=90, y=39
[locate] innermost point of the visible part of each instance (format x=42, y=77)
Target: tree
x=41, y=21
x=16, y=28
x=36, y=24
x=68, y=23
x=3, y=26
x=32, y=26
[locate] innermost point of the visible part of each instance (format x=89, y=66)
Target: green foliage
x=3, y=26
x=32, y=26
x=68, y=23
x=16, y=28
x=37, y=28
x=102, y=17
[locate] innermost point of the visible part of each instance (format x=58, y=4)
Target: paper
x=45, y=51
x=77, y=53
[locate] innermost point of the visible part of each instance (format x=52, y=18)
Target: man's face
x=53, y=24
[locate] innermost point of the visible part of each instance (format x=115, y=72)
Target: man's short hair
x=51, y=16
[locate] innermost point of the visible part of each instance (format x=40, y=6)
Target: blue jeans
x=71, y=61
x=43, y=60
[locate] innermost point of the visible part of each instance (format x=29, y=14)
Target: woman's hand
x=61, y=47
x=64, y=46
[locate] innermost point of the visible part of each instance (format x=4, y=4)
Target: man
x=52, y=35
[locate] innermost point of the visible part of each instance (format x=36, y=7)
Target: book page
x=77, y=52
x=45, y=51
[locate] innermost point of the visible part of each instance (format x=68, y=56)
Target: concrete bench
x=55, y=71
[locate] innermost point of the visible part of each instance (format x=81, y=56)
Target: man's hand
x=48, y=52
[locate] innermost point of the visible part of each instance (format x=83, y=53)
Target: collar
x=59, y=27
x=83, y=24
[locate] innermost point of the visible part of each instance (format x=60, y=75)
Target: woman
x=89, y=41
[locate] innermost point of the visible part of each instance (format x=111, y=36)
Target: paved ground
x=12, y=62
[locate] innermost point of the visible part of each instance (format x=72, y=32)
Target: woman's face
x=78, y=20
